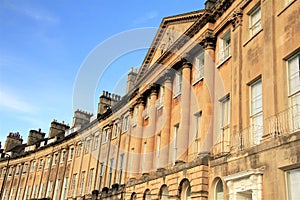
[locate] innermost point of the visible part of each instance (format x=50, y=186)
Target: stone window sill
x=253, y=36
x=286, y=7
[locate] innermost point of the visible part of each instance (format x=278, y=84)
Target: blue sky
x=44, y=43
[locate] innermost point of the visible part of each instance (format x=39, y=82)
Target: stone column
x=165, y=133
x=150, y=136
x=209, y=43
x=137, y=139
x=236, y=116
x=183, y=134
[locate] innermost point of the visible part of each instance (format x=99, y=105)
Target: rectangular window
x=178, y=83
x=73, y=186
x=110, y=171
x=34, y=192
x=79, y=149
x=41, y=164
x=42, y=190
x=82, y=182
x=10, y=171
x=87, y=146
x=101, y=175
x=25, y=168
x=27, y=192
x=65, y=188
x=48, y=161
x=12, y=195
x=4, y=195
x=175, y=133
x=224, y=47
x=19, y=193
x=96, y=143
x=147, y=110
x=255, y=21
x=293, y=184
x=198, y=132
x=135, y=115
x=160, y=101
x=91, y=177
x=18, y=169
x=63, y=156
x=158, y=140
x=116, y=129
x=121, y=167
x=56, y=190
x=125, y=123
x=144, y=156
x=225, y=121
x=32, y=167
x=256, y=112
x=49, y=189
x=294, y=91
x=71, y=153
x=199, y=66
x=55, y=159
x=131, y=160
x=294, y=79
x=106, y=135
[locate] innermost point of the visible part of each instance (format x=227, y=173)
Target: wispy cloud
x=37, y=14
x=146, y=17
x=13, y=102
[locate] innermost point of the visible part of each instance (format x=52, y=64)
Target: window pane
x=294, y=77
x=256, y=98
x=293, y=183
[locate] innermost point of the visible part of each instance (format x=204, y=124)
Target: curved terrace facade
x=212, y=113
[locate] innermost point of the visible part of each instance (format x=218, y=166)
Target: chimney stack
x=57, y=128
x=12, y=140
x=106, y=101
x=209, y=4
x=80, y=118
x=35, y=136
x=131, y=79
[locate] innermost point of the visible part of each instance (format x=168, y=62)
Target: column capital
x=140, y=100
x=237, y=18
x=168, y=75
x=208, y=40
x=186, y=64
x=130, y=110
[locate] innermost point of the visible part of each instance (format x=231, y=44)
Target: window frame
x=88, y=143
x=178, y=84
x=255, y=27
x=224, y=104
x=288, y=192
x=175, y=144
x=71, y=153
x=292, y=94
x=256, y=139
x=199, y=65
x=198, y=131
x=224, y=50
x=125, y=123
x=79, y=149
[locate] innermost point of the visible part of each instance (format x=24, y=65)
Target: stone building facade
x=212, y=113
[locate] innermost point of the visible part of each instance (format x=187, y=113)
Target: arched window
x=133, y=196
x=164, y=193
x=219, y=191
x=185, y=190
x=147, y=195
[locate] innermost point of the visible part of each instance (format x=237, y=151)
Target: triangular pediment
x=171, y=28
